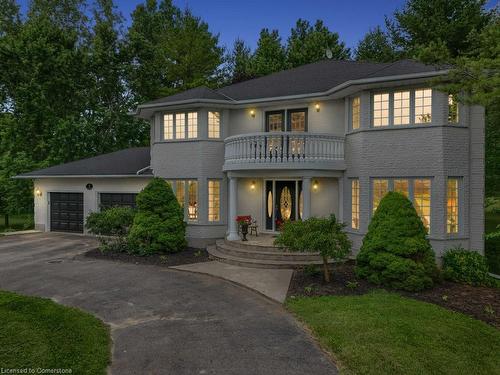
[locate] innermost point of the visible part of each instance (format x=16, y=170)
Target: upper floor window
x=423, y=106
x=168, y=126
x=213, y=124
x=275, y=121
x=297, y=119
x=356, y=112
x=180, y=125
x=401, y=112
x=452, y=110
x=381, y=109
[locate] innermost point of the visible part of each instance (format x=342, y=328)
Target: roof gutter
x=142, y=170
x=20, y=177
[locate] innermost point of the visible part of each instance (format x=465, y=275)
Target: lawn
x=384, y=333
x=17, y=222
x=38, y=333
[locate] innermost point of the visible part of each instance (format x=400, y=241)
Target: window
x=452, y=109
x=401, y=108
x=213, y=200
x=168, y=126
x=355, y=204
x=192, y=122
x=422, y=200
x=355, y=112
x=213, y=124
x=380, y=189
x=452, y=206
x=275, y=121
x=423, y=106
x=381, y=110
x=179, y=191
x=297, y=120
x=192, y=200
x=180, y=126
x=401, y=186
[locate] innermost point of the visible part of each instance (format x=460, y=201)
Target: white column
x=233, y=209
x=306, y=200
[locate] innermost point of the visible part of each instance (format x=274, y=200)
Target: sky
x=244, y=19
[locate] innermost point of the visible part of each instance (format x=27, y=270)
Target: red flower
x=245, y=219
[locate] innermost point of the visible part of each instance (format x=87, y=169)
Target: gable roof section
x=315, y=78
x=129, y=162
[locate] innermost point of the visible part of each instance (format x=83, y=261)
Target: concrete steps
x=240, y=254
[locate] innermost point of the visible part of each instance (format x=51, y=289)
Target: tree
x=325, y=236
x=375, y=46
x=159, y=225
x=308, y=44
x=239, y=62
x=421, y=22
x=395, y=251
x=269, y=56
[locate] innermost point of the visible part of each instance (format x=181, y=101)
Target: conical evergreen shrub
x=395, y=251
x=159, y=225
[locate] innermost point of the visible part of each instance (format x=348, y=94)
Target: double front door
x=283, y=201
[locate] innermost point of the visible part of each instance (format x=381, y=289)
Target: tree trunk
x=325, y=269
x=6, y=220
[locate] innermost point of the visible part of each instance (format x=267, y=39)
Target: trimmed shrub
x=159, y=223
x=492, y=251
x=466, y=266
x=395, y=251
x=325, y=236
x=112, y=226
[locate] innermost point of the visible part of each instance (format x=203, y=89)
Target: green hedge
x=466, y=266
x=396, y=251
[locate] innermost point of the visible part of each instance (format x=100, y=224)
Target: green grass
x=38, y=333
x=384, y=333
x=17, y=222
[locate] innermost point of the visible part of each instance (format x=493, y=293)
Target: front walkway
x=163, y=321
x=272, y=283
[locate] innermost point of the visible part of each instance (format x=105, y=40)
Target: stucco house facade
x=328, y=137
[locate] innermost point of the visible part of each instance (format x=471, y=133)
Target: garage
x=108, y=200
x=66, y=212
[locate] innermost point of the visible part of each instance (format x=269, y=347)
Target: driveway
x=162, y=321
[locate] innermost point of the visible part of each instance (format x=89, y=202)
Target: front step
x=253, y=256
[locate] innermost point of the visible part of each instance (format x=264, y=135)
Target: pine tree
x=270, y=56
x=376, y=47
x=240, y=62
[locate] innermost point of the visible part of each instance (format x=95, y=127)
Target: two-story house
x=327, y=137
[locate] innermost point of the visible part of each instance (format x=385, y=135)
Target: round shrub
x=465, y=266
x=159, y=223
x=395, y=251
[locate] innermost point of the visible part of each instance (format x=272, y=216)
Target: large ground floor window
x=213, y=200
x=186, y=192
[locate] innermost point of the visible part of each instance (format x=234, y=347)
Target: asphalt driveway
x=162, y=321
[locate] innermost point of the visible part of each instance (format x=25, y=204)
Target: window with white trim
x=401, y=113
x=180, y=125
x=168, y=126
x=423, y=106
x=380, y=189
x=422, y=200
x=355, y=203
x=356, y=112
x=186, y=192
x=213, y=200
x=192, y=200
x=213, y=124
x=381, y=109
x=452, y=206
x=192, y=124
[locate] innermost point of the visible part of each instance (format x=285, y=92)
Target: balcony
x=284, y=150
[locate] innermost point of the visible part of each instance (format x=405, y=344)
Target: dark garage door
x=117, y=199
x=66, y=212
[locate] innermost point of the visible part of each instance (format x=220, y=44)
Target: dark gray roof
x=317, y=77
x=119, y=163
x=201, y=92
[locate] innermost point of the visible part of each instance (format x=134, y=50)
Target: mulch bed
x=482, y=303
x=187, y=256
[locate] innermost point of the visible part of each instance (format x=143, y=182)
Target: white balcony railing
x=283, y=147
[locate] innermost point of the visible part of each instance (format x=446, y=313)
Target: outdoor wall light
x=317, y=106
x=252, y=112
x=252, y=185
x=315, y=185
x=38, y=192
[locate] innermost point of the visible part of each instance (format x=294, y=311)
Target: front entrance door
x=281, y=202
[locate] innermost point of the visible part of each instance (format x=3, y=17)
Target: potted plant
x=279, y=224
x=244, y=222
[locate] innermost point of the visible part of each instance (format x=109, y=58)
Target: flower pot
x=244, y=231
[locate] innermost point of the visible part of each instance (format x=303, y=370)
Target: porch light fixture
x=38, y=192
x=252, y=185
x=252, y=113
x=317, y=107
x=315, y=185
